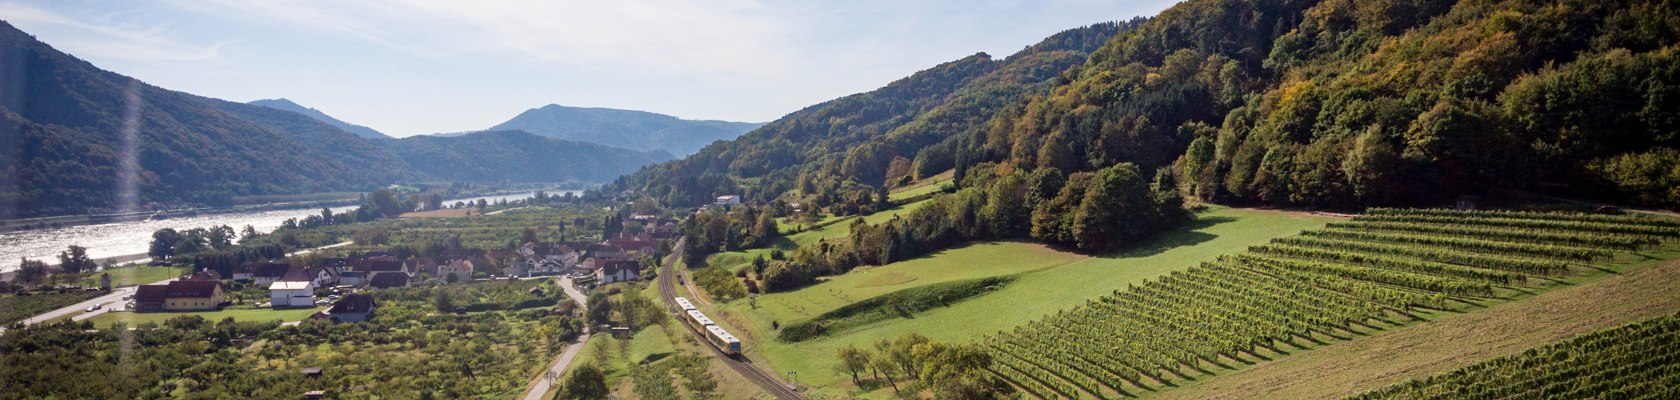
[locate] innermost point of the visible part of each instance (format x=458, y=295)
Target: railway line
x=740, y=363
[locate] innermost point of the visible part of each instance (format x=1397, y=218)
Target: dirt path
x=1452, y=342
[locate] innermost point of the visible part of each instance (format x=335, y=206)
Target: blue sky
x=408, y=67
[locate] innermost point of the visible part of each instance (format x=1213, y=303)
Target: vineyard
x=1633, y=361
x=1331, y=284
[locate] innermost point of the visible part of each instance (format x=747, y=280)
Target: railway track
x=765, y=380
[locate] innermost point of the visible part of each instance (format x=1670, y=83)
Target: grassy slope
x=262, y=314
x=931, y=184
x=1062, y=281
x=1583, y=305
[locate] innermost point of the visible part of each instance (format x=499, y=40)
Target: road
x=741, y=365
x=539, y=386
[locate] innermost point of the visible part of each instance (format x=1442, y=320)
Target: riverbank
x=117, y=261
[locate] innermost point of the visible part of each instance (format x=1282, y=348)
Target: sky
x=408, y=67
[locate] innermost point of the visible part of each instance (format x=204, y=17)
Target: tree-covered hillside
x=288, y=105
x=68, y=130
x=1348, y=104
x=65, y=123
x=1333, y=104
x=627, y=129
x=850, y=144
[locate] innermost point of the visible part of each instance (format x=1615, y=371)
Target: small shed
x=312, y=372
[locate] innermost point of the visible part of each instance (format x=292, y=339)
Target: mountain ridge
x=289, y=105
x=77, y=139
x=628, y=129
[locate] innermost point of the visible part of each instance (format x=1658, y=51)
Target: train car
x=684, y=304
x=724, y=341
x=699, y=319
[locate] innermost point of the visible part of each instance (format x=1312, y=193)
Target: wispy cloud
x=110, y=36
x=662, y=35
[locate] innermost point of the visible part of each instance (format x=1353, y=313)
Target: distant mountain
x=63, y=145
x=288, y=105
x=517, y=156
x=636, y=130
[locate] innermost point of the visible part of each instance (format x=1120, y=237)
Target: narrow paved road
x=557, y=369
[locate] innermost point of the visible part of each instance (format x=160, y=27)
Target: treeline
x=734, y=228
x=1091, y=211
x=946, y=371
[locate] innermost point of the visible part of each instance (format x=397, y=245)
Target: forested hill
x=62, y=145
x=635, y=130
x=516, y=156
x=1337, y=104
x=62, y=141
x=288, y=105
x=855, y=142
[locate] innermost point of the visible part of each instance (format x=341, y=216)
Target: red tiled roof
x=271, y=270
x=151, y=293
x=354, y=303
x=191, y=289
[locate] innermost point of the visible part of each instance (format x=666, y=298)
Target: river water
x=134, y=237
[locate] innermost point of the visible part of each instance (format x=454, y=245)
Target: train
x=714, y=333
x=723, y=340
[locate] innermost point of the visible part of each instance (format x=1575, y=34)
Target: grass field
x=136, y=275
x=1583, y=305
x=924, y=187
x=1049, y=281
x=261, y=314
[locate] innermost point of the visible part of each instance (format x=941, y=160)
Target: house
x=289, y=293
x=422, y=265
x=518, y=266
x=194, y=295
x=462, y=269
x=318, y=276
x=150, y=297
x=388, y=279
x=355, y=307
x=640, y=243
x=379, y=263
x=182, y=295
x=241, y=272
x=353, y=278
x=729, y=200
x=618, y=271
x=206, y=275
x=266, y=273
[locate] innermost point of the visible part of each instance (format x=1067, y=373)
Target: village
x=340, y=283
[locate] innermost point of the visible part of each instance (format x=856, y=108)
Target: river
x=134, y=237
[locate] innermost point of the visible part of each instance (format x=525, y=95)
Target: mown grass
x=1049, y=280
x=253, y=315
x=136, y=275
